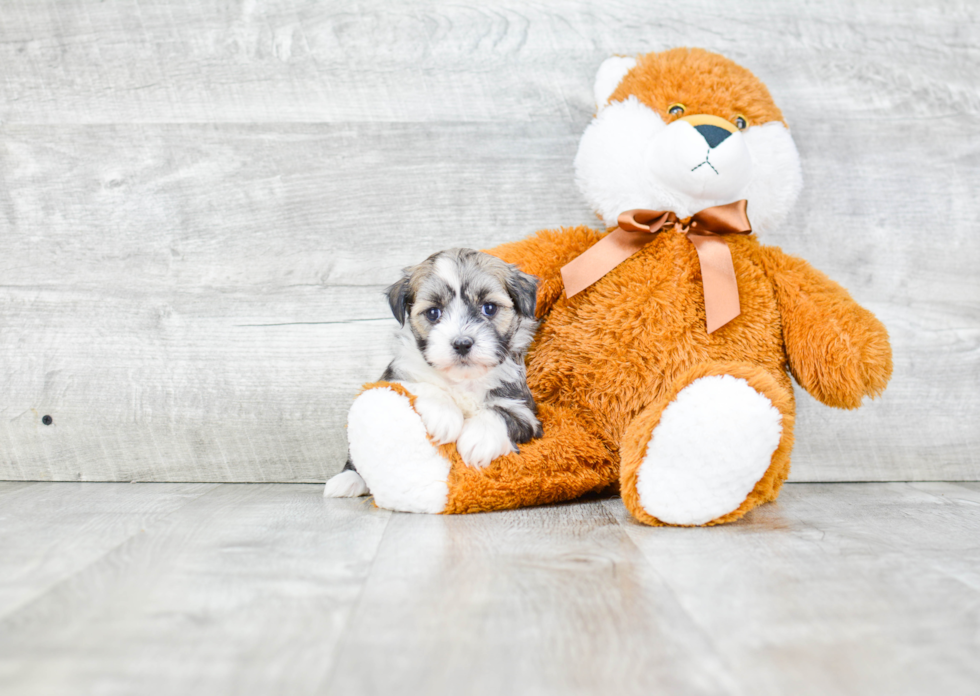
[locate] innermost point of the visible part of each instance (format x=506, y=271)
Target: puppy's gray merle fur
x=467, y=319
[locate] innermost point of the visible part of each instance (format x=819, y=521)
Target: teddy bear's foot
x=710, y=448
x=391, y=451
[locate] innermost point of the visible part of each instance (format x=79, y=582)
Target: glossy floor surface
x=271, y=589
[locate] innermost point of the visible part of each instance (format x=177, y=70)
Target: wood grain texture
x=246, y=589
x=550, y=600
x=201, y=202
x=231, y=346
x=49, y=533
x=846, y=589
x=836, y=589
x=278, y=61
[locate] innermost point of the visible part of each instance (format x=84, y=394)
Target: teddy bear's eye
x=676, y=109
x=741, y=123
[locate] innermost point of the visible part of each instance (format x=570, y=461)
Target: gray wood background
x=200, y=203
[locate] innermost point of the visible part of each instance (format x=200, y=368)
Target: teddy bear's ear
x=610, y=74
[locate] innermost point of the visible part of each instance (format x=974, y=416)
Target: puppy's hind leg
x=347, y=484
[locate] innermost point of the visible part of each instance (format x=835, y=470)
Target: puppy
x=467, y=319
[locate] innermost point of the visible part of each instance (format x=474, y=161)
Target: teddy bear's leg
x=568, y=461
x=714, y=447
x=405, y=471
x=391, y=451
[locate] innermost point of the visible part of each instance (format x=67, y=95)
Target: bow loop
x=705, y=230
x=722, y=219
x=650, y=221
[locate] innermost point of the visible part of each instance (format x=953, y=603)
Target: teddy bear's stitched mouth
x=706, y=162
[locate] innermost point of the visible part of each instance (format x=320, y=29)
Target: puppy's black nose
x=463, y=345
x=713, y=135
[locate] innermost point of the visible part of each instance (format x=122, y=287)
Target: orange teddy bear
x=686, y=409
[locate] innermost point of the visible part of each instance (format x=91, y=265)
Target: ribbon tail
x=599, y=259
x=718, y=277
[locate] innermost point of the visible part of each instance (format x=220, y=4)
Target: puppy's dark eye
x=741, y=123
x=489, y=309
x=433, y=314
x=676, y=109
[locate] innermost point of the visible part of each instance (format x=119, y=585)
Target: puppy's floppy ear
x=399, y=298
x=523, y=290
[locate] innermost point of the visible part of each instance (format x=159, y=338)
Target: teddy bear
x=662, y=363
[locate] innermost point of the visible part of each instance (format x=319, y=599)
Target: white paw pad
x=484, y=438
x=390, y=448
x=712, y=445
x=346, y=484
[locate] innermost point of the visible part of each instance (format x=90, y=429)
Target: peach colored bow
x=705, y=230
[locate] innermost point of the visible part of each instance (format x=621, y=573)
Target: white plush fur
x=389, y=446
x=629, y=158
x=682, y=162
x=607, y=78
x=712, y=445
x=778, y=178
x=346, y=484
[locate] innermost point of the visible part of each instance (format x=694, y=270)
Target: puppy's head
x=467, y=311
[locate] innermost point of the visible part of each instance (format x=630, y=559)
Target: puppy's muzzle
x=462, y=345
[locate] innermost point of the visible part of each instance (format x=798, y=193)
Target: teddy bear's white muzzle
x=705, y=165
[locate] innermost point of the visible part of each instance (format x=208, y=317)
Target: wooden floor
x=271, y=589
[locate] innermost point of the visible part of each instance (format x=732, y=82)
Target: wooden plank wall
x=200, y=203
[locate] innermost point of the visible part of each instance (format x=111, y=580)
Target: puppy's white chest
x=468, y=400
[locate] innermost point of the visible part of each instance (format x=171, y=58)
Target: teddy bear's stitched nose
x=713, y=135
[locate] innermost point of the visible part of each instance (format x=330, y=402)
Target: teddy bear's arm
x=543, y=255
x=838, y=351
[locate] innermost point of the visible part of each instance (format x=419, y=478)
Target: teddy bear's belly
x=619, y=345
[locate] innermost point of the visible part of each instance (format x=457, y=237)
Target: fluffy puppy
x=467, y=319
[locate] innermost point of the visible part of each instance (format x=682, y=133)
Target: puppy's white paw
x=483, y=439
x=442, y=418
x=346, y=484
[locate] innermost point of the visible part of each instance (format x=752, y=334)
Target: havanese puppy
x=467, y=319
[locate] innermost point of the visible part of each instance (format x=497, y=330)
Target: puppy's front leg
x=441, y=416
x=484, y=438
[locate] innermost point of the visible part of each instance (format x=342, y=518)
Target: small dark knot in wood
x=47, y=420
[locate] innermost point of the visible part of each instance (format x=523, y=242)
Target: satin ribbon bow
x=705, y=230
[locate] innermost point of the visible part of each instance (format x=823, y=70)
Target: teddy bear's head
x=684, y=130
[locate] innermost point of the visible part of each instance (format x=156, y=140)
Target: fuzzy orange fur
x=704, y=82
x=606, y=362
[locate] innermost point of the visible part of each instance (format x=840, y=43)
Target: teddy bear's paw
x=392, y=452
x=712, y=445
x=442, y=418
x=484, y=438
